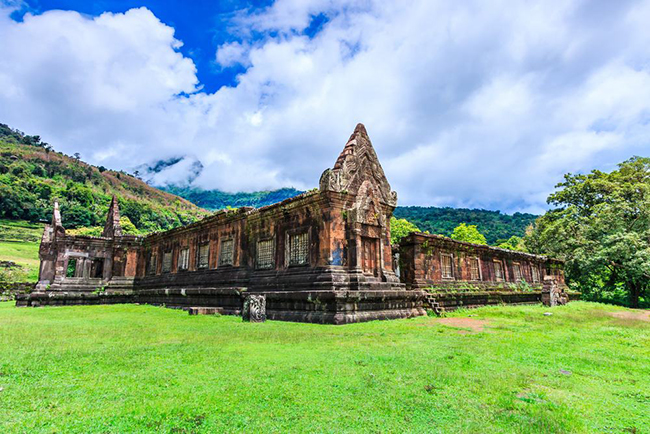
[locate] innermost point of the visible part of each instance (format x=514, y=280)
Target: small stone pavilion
x=323, y=256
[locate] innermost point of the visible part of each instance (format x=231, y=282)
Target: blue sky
x=469, y=104
x=202, y=27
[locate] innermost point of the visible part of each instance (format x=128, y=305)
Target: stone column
x=107, y=271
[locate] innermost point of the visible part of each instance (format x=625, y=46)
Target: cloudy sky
x=468, y=104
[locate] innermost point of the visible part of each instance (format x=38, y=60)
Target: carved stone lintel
x=254, y=308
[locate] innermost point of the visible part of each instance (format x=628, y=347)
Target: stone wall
x=9, y=290
x=442, y=264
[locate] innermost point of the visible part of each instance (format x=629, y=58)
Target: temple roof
x=357, y=164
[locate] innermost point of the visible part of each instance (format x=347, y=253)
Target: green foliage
x=513, y=243
x=492, y=224
x=129, y=368
x=468, y=234
x=91, y=231
x=216, y=200
x=399, y=228
x=128, y=228
x=32, y=176
x=601, y=226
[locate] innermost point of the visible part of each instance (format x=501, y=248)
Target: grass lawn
x=127, y=368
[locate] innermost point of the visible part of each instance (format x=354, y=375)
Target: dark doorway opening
x=97, y=268
x=72, y=268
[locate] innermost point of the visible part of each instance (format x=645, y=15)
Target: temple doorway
x=369, y=259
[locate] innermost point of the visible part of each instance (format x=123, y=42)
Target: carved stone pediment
x=356, y=166
x=367, y=208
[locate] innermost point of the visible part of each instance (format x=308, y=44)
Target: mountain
x=215, y=199
x=33, y=175
x=493, y=224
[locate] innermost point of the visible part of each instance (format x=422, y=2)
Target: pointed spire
x=356, y=164
x=357, y=142
x=56, y=216
x=56, y=228
x=113, y=228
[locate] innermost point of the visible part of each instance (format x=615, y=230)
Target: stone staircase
x=430, y=301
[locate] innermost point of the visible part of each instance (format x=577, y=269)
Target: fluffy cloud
x=468, y=103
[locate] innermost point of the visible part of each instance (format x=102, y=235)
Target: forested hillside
x=215, y=199
x=33, y=175
x=494, y=225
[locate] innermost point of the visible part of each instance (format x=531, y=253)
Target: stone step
x=433, y=304
x=202, y=310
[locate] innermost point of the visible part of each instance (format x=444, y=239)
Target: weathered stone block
x=200, y=310
x=254, y=308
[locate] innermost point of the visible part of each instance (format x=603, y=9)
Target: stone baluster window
x=535, y=272
x=226, y=256
x=153, y=262
x=474, y=269
x=265, y=254
x=167, y=262
x=184, y=259
x=203, y=256
x=498, y=270
x=447, y=266
x=299, y=249
x=516, y=271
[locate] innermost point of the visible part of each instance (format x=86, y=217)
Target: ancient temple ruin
x=323, y=256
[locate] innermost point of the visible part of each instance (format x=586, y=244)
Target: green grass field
x=19, y=243
x=129, y=368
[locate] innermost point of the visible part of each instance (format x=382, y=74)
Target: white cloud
x=232, y=53
x=468, y=103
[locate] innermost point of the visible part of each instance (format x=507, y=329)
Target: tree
x=77, y=156
x=601, y=227
x=399, y=228
x=468, y=234
x=128, y=228
x=513, y=243
x=77, y=216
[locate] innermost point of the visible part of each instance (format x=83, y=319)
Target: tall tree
x=468, y=233
x=399, y=228
x=601, y=227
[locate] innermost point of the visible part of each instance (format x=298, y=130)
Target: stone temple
x=324, y=257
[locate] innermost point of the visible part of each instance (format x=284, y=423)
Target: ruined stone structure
x=457, y=274
x=82, y=264
x=323, y=256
